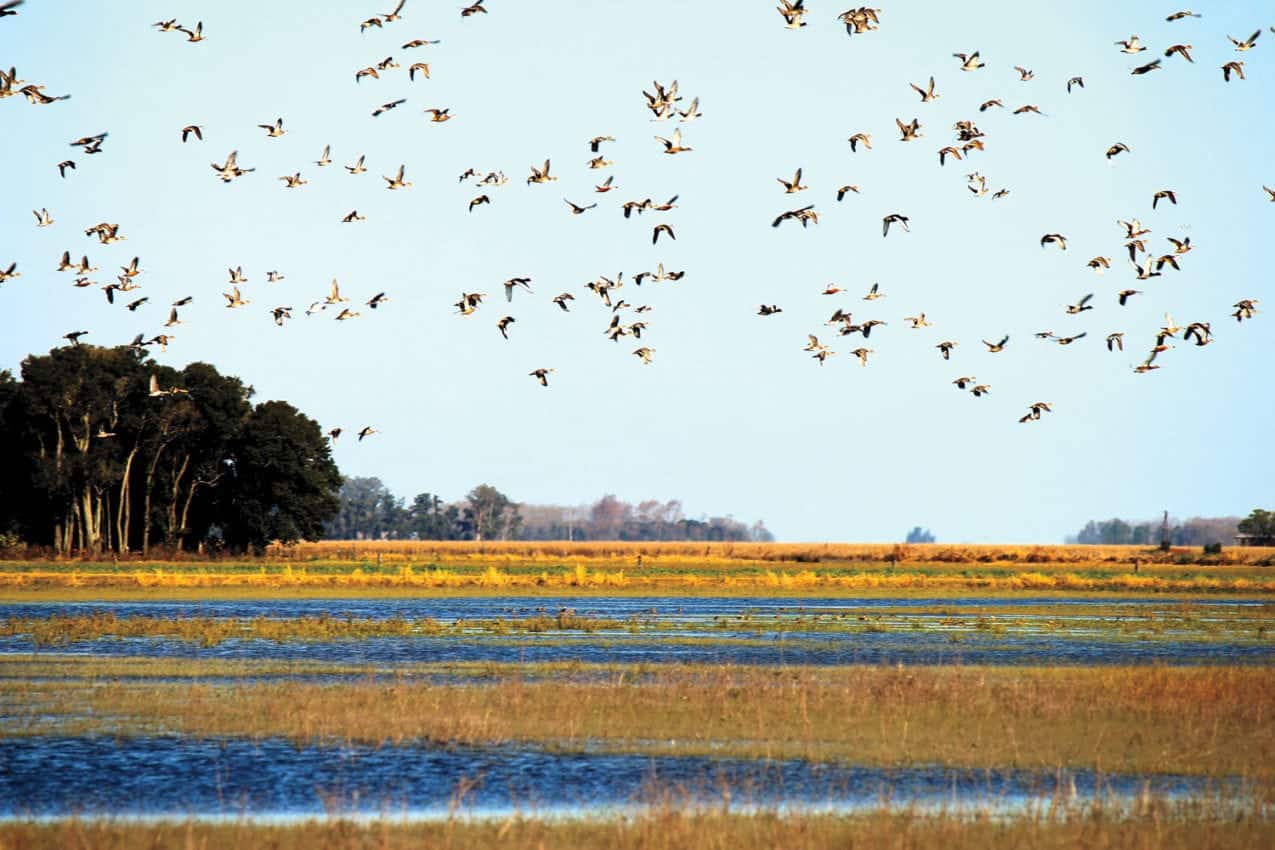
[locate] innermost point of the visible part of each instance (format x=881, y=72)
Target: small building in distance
x=1255, y=539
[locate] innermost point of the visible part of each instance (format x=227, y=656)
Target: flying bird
x=804, y=215
x=927, y=94
x=1247, y=44
x=894, y=218
x=1229, y=68
x=386, y=107
x=674, y=145
x=274, y=130
x=541, y=175
x=1081, y=305
x=860, y=138
x=397, y=181
x=793, y=186
x=576, y=209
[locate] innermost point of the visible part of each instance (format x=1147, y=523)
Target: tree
x=919, y=535
x=428, y=518
x=102, y=449
x=368, y=511
x=490, y=515
x=608, y=516
x=284, y=482
x=1259, y=523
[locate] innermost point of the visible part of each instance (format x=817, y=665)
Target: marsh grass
x=1246, y=624
x=547, y=573
x=1189, y=825
x=1200, y=721
x=60, y=630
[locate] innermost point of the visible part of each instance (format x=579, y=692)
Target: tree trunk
x=122, y=513
x=146, y=498
x=104, y=517
x=190, y=498
x=173, y=530
x=88, y=517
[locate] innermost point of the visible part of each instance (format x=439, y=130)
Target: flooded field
x=757, y=631
x=228, y=778
x=426, y=708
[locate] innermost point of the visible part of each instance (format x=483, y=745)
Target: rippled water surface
x=185, y=777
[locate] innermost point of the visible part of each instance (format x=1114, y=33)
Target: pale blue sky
x=733, y=417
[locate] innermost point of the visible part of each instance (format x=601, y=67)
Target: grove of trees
x=104, y=450
x=369, y=510
x=1198, y=531
x=1259, y=524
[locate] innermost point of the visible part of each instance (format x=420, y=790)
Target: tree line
x=1198, y=531
x=370, y=511
x=103, y=450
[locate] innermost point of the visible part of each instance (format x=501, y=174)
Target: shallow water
x=448, y=609
x=734, y=630
x=272, y=778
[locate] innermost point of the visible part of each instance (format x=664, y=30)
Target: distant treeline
x=1198, y=531
x=370, y=511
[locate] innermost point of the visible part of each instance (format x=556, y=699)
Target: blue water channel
x=669, y=632
x=181, y=777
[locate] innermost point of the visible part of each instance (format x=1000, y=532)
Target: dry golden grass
x=1211, y=721
x=448, y=551
x=1168, y=827
x=651, y=575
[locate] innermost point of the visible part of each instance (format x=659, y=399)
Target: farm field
x=773, y=694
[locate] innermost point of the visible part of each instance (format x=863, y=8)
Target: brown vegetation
x=1168, y=827
x=1211, y=721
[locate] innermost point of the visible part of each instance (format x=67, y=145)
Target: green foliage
x=490, y=515
x=283, y=483
x=369, y=511
x=1259, y=523
x=93, y=459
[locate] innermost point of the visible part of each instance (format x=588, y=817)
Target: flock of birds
x=665, y=104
